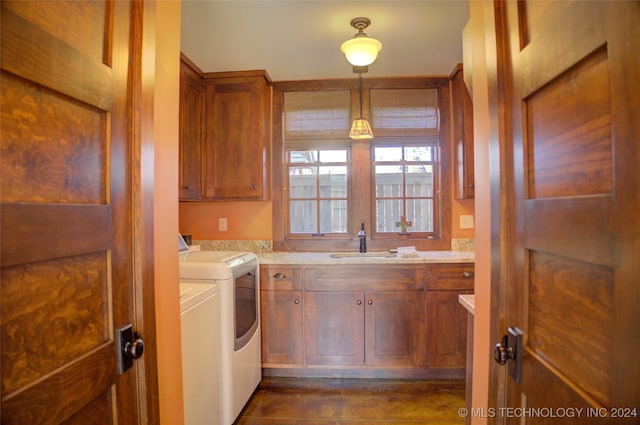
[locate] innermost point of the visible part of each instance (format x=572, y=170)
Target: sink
x=363, y=254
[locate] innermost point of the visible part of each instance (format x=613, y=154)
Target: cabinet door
x=281, y=315
x=190, y=134
x=236, y=133
x=462, y=132
x=446, y=330
x=334, y=328
x=394, y=328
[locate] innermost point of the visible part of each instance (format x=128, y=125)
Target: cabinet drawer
x=365, y=278
x=280, y=278
x=454, y=276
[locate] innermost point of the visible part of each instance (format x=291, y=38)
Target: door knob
x=136, y=348
x=510, y=348
x=502, y=352
x=131, y=347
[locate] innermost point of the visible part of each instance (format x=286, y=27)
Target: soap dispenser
x=363, y=238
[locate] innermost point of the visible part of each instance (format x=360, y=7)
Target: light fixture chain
x=360, y=75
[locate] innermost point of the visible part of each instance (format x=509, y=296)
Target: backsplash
x=255, y=246
x=261, y=246
x=463, y=244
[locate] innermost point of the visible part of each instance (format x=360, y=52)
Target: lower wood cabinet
x=446, y=329
x=364, y=328
x=334, y=328
x=446, y=318
x=364, y=320
x=281, y=316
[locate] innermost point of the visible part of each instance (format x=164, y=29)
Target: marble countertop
x=367, y=258
x=469, y=302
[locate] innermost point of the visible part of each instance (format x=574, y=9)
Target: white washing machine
x=236, y=275
x=201, y=377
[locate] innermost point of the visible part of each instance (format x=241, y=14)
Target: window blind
x=405, y=112
x=316, y=116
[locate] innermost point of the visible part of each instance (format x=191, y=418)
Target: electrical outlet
x=466, y=222
x=222, y=224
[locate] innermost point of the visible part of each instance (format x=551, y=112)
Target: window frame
x=361, y=175
x=319, y=198
x=402, y=143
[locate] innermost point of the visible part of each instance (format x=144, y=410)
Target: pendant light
x=361, y=50
x=361, y=129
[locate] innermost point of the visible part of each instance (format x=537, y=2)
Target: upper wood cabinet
x=462, y=133
x=236, y=148
x=190, y=143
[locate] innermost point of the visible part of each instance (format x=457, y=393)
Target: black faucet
x=363, y=238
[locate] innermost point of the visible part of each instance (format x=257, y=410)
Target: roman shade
x=405, y=112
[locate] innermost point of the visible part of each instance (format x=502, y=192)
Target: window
x=318, y=191
x=404, y=188
x=326, y=184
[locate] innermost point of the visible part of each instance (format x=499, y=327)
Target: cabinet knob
x=297, y=301
x=370, y=302
x=279, y=276
x=467, y=274
x=359, y=302
x=254, y=186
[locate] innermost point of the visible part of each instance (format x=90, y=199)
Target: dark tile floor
x=293, y=401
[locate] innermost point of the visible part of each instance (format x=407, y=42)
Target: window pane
x=419, y=181
x=388, y=154
x=420, y=212
x=333, y=216
x=388, y=181
x=303, y=182
x=388, y=212
x=303, y=156
x=333, y=155
x=418, y=153
x=303, y=216
x=333, y=182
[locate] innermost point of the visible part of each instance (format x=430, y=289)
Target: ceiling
x=300, y=39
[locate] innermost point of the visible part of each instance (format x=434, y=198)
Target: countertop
x=468, y=302
x=367, y=258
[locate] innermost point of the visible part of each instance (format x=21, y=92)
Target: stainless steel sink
x=363, y=254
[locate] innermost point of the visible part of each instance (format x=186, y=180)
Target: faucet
x=363, y=238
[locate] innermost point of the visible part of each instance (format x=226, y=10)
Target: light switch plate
x=466, y=222
x=222, y=224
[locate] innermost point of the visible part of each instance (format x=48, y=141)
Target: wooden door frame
x=501, y=178
x=141, y=118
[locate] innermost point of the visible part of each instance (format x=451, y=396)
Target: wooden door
x=334, y=328
x=395, y=328
x=190, y=155
x=573, y=101
x=67, y=221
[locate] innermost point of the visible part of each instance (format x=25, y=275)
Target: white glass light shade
x=361, y=129
x=361, y=50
